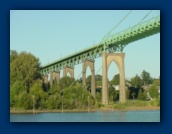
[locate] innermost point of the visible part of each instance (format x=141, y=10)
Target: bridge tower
x=68, y=69
x=85, y=64
x=118, y=58
x=45, y=78
x=54, y=75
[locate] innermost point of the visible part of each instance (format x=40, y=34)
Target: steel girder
x=112, y=43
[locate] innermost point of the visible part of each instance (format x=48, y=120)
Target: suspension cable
x=107, y=35
x=110, y=32
x=145, y=16
x=116, y=25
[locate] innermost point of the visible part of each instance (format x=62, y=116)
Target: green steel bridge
x=111, y=43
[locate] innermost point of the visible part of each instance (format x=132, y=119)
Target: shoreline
x=103, y=109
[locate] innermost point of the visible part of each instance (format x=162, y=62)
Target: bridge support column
x=104, y=79
x=118, y=58
x=68, y=69
x=55, y=75
x=45, y=78
x=85, y=64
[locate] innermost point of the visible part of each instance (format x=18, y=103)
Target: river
x=113, y=116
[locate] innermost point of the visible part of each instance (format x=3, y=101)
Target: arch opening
x=88, y=78
x=68, y=74
x=113, y=79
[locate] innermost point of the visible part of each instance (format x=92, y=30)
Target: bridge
x=110, y=49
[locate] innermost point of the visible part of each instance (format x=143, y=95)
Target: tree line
x=27, y=91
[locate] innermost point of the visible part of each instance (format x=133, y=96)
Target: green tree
x=98, y=77
x=153, y=92
x=142, y=95
x=113, y=94
x=135, y=81
x=25, y=68
x=13, y=55
x=133, y=94
x=88, y=80
x=40, y=96
x=54, y=88
x=54, y=101
x=156, y=82
x=66, y=82
x=23, y=101
x=146, y=77
x=99, y=96
x=75, y=97
x=128, y=94
x=115, y=80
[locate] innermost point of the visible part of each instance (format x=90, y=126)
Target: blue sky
x=53, y=34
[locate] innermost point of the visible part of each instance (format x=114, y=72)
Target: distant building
x=116, y=87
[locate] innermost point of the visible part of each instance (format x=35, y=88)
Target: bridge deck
x=112, y=43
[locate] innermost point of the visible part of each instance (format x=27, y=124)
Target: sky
x=52, y=34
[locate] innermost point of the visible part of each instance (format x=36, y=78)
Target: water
x=114, y=116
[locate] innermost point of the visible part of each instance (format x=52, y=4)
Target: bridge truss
x=112, y=43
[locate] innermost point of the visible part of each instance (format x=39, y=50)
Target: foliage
x=39, y=95
x=99, y=96
x=54, y=88
x=153, y=92
x=98, y=77
x=24, y=67
x=15, y=90
x=156, y=82
x=142, y=95
x=136, y=103
x=66, y=82
x=54, y=101
x=127, y=94
x=75, y=97
x=135, y=81
x=113, y=94
x=13, y=55
x=27, y=90
x=115, y=80
x=146, y=77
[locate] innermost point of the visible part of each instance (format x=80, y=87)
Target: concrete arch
x=118, y=58
x=45, y=78
x=116, y=63
x=90, y=64
x=69, y=70
x=53, y=75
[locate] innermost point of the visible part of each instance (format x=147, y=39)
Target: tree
x=75, y=97
x=54, y=88
x=113, y=94
x=135, y=81
x=15, y=89
x=40, y=96
x=142, y=95
x=133, y=94
x=146, y=77
x=13, y=55
x=98, y=77
x=115, y=80
x=66, y=82
x=128, y=94
x=24, y=67
x=156, y=82
x=153, y=92
x=88, y=80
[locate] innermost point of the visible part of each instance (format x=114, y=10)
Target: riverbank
x=102, y=109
